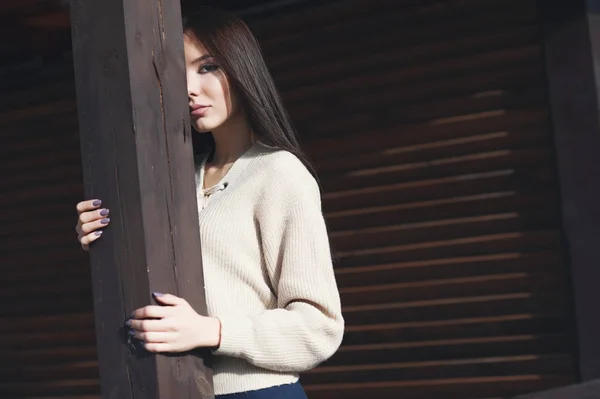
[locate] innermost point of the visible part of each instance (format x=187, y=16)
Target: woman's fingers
x=91, y=216
x=152, y=312
x=99, y=224
x=89, y=205
x=90, y=238
x=157, y=348
x=92, y=219
x=153, y=337
x=152, y=325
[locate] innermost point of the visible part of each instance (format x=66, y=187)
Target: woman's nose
x=192, y=91
x=193, y=86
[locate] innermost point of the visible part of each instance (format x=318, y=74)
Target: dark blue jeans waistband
x=289, y=391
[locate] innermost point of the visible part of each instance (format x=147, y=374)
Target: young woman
x=273, y=304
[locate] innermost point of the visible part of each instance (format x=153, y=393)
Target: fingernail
x=105, y=221
x=142, y=343
x=128, y=323
x=104, y=212
x=132, y=315
x=97, y=203
x=98, y=233
x=157, y=294
x=131, y=332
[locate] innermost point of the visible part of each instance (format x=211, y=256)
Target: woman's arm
x=307, y=327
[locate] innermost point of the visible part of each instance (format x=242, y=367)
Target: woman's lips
x=198, y=110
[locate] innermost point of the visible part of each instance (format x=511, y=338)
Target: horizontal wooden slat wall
x=47, y=342
x=428, y=121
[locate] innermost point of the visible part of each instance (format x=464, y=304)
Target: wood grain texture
x=137, y=157
x=572, y=43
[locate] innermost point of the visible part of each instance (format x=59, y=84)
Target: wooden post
x=572, y=51
x=137, y=158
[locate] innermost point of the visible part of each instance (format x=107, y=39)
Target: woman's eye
x=207, y=68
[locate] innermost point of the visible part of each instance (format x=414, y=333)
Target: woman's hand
x=174, y=327
x=91, y=221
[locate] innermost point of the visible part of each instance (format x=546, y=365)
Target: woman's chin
x=201, y=129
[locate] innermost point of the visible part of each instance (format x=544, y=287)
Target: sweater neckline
x=239, y=165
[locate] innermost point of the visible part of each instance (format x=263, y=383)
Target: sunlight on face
x=210, y=98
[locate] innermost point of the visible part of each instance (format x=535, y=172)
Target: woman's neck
x=231, y=141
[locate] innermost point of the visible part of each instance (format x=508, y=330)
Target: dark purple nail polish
x=98, y=233
x=105, y=221
x=131, y=332
x=97, y=203
x=128, y=323
x=104, y=212
x=158, y=294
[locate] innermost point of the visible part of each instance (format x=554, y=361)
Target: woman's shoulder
x=285, y=179
x=283, y=165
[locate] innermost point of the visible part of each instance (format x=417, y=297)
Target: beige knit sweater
x=268, y=271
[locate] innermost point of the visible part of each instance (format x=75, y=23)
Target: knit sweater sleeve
x=306, y=328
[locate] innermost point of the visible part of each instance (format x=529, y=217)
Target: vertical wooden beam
x=137, y=157
x=572, y=53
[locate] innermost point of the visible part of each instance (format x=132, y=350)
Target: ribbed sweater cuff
x=235, y=331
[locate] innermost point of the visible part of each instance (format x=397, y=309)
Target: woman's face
x=211, y=101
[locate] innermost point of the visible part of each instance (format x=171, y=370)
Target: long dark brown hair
x=237, y=52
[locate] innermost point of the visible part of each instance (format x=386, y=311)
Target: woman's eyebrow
x=202, y=58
